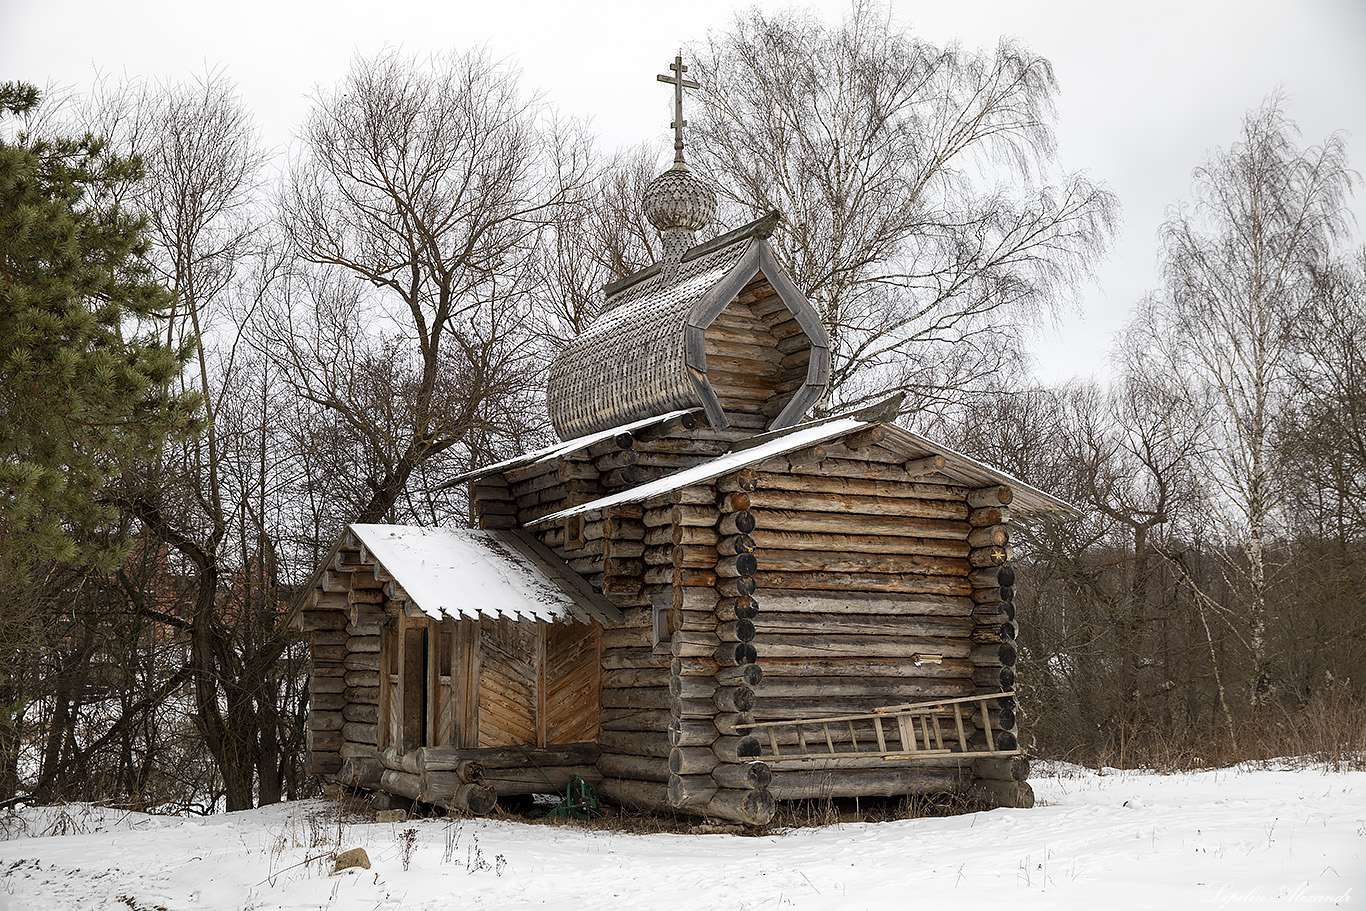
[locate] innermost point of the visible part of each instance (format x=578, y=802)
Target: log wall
x=867, y=594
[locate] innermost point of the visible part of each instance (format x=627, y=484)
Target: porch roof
x=467, y=572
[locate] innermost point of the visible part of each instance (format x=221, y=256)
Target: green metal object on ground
x=580, y=800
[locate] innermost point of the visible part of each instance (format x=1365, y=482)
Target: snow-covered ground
x=1231, y=838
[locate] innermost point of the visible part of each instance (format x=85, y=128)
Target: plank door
x=573, y=679
x=508, y=677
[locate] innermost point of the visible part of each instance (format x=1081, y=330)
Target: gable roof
x=958, y=467
x=562, y=449
x=466, y=572
x=645, y=354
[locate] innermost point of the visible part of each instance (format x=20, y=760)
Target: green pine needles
x=86, y=388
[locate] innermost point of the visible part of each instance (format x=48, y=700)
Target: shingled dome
x=724, y=329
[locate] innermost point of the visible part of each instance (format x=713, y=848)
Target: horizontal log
x=992, y=577
x=694, y=644
x=311, y=620
x=324, y=741
x=693, y=667
x=689, y=535
x=741, y=522
x=733, y=501
x=791, y=784
x=849, y=504
x=330, y=654
x=750, y=775
x=841, y=562
x=638, y=697
x=993, y=655
x=1014, y=768
x=746, y=674
x=325, y=764
x=362, y=644
x=641, y=768
x=989, y=536
x=990, y=556
x=692, y=687
x=621, y=637
x=791, y=622
x=360, y=772
x=1014, y=794
x=642, y=656
x=904, y=583
x=690, y=792
x=568, y=754
x=326, y=684
x=833, y=480
x=752, y=808
x=692, y=732
x=475, y=798
x=618, y=459
x=534, y=780
x=996, y=495
x=736, y=698
x=330, y=637
x=704, y=516
x=626, y=678
x=859, y=666
x=732, y=654
x=404, y=784
x=772, y=708
x=889, y=690
x=365, y=714
x=738, y=565
x=325, y=721
x=851, y=541
x=696, y=495
x=981, y=518
x=737, y=587
x=743, y=607
x=854, y=602
x=651, y=796
x=400, y=761
x=443, y=759
x=624, y=476
x=692, y=760
x=746, y=479
x=650, y=720
x=735, y=545
x=735, y=631
x=361, y=661
x=636, y=743
x=736, y=747
x=796, y=520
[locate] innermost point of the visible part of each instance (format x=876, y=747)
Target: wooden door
x=508, y=677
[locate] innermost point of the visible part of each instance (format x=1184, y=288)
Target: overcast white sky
x=1147, y=88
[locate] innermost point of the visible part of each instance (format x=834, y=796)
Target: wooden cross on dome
x=679, y=84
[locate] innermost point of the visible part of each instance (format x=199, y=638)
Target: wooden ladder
x=918, y=731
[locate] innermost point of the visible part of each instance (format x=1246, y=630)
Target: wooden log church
x=700, y=601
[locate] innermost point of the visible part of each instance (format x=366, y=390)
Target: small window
x=573, y=533
x=666, y=621
x=446, y=645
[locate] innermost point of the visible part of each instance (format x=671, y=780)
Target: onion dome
x=678, y=204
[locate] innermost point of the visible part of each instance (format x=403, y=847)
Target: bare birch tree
x=925, y=218
x=1237, y=274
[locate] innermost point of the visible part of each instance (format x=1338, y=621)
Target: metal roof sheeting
x=466, y=572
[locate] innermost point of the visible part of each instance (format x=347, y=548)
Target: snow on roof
x=466, y=572
x=731, y=461
x=559, y=449
x=959, y=467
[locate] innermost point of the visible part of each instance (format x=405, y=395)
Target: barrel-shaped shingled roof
x=644, y=355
